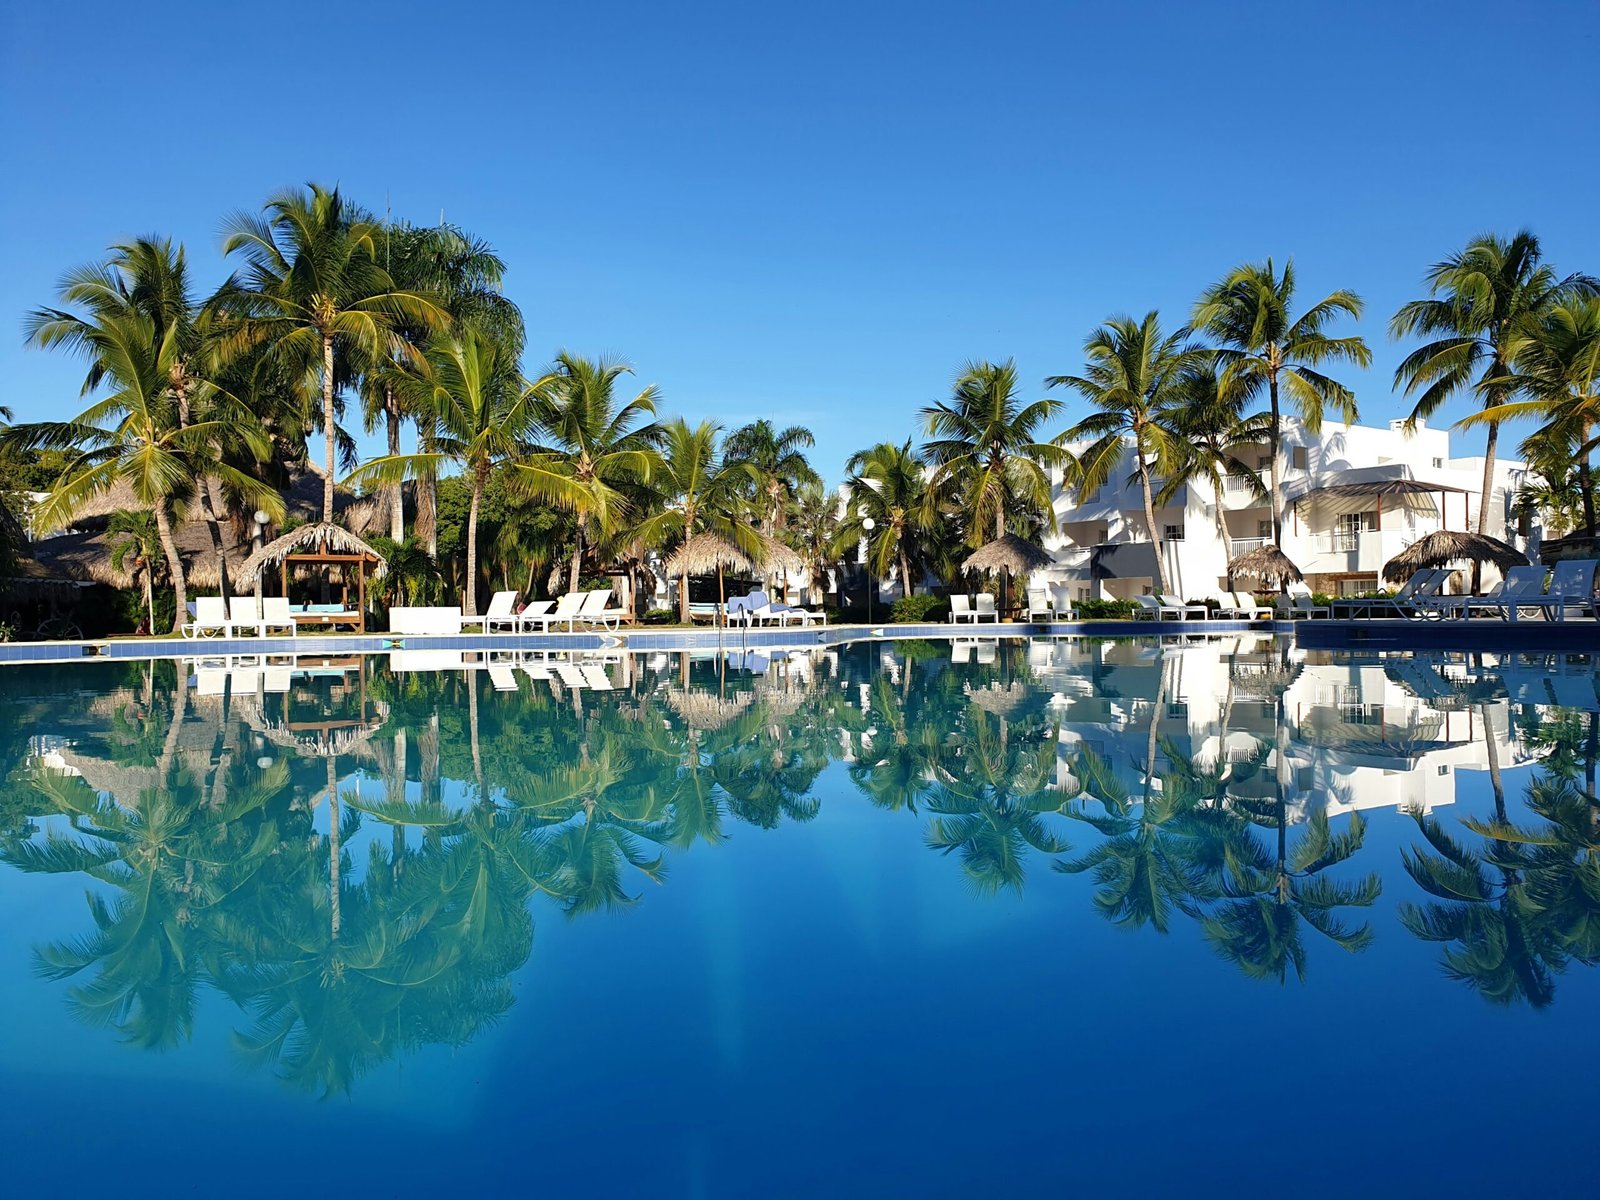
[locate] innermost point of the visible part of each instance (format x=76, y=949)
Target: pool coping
x=1371, y=634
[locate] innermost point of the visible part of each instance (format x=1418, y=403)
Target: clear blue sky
x=815, y=212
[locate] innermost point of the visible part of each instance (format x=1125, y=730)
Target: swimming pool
x=890, y=918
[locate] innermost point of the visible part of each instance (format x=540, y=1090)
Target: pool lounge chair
x=210, y=619
x=1424, y=583
x=1292, y=608
x=1183, y=609
x=531, y=612
x=983, y=609
x=1522, y=589
x=566, y=609
x=1248, y=607
x=275, y=615
x=1572, y=586
x=1039, y=605
x=503, y=676
x=501, y=613
x=961, y=610
x=595, y=610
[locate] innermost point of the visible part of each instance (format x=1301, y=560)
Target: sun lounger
x=210, y=619
x=961, y=610
x=1522, y=589
x=1404, y=603
x=594, y=610
x=531, y=612
x=983, y=609
x=566, y=610
x=1299, y=605
x=275, y=615
x=1248, y=607
x=500, y=615
x=1176, y=603
x=1039, y=605
x=503, y=677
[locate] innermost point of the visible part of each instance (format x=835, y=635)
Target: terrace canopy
x=1415, y=494
x=319, y=545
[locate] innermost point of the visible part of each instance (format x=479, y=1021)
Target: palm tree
x=1211, y=431
x=463, y=274
x=811, y=531
x=1556, y=364
x=133, y=436
x=696, y=491
x=986, y=446
x=1132, y=378
x=133, y=539
x=1478, y=299
x=149, y=277
x=1262, y=346
x=312, y=289
x=593, y=447
x=481, y=409
x=778, y=466
x=888, y=485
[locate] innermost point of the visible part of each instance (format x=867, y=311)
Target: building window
x=1172, y=533
x=1264, y=529
x=1264, y=463
x=1438, y=463
x=1300, y=458
x=1178, y=710
x=1304, y=779
x=1347, y=531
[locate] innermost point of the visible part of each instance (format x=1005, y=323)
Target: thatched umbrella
x=775, y=556
x=317, y=539
x=706, y=552
x=1448, y=546
x=1009, y=555
x=1266, y=563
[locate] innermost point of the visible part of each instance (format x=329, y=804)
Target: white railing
x=1238, y=546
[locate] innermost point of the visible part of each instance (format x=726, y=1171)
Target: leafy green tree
x=483, y=412
x=888, y=485
x=1263, y=346
x=988, y=449
x=777, y=465
x=592, y=447
x=1479, y=298
x=313, y=291
x=1132, y=379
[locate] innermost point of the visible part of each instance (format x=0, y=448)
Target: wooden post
x=361, y=593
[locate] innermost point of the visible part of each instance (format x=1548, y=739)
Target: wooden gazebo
x=321, y=545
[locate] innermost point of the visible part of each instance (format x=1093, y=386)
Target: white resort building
x=1354, y=497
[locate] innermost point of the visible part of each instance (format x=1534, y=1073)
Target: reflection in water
x=354, y=851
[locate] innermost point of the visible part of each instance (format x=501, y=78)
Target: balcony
x=1238, y=546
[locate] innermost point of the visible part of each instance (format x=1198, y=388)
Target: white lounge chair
x=983, y=609
x=1248, y=607
x=961, y=610
x=275, y=614
x=244, y=613
x=501, y=613
x=531, y=612
x=1409, y=601
x=1572, y=586
x=1039, y=604
x=566, y=609
x=595, y=678
x=504, y=677
x=1185, y=610
x=594, y=610
x=210, y=619
x=1292, y=608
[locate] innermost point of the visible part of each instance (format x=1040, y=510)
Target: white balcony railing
x=1238, y=546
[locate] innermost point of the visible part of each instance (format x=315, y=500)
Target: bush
x=660, y=616
x=911, y=609
x=1321, y=599
x=1105, y=610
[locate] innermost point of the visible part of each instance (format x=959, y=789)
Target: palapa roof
x=1008, y=553
x=705, y=552
x=1266, y=563
x=706, y=710
x=778, y=557
x=1447, y=546
x=85, y=555
x=319, y=538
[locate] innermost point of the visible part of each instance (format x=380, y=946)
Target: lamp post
x=869, y=525
x=257, y=532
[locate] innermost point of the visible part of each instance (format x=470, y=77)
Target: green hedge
x=909, y=610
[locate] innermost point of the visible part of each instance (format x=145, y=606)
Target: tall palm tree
x=1478, y=298
x=811, y=531
x=778, y=465
x=132, y=435
x=463, y=274
x=482, y=411
x=149, y=276
x=987, y=447
x=1132, y=379
x=312, y=288
x=1212, y=432
x=592, y=446
x=696, y=491
x=888, y=485
x=1556, y=364
x=1263, y=346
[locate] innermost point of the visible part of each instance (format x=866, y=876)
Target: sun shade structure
x=706, y=552
x=319, y=545
x=1008, y=553
x=1266, y=563
x=1446, y=546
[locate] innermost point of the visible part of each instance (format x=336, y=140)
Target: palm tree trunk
x=1150, y=521
x=174, y=566
x=1274, y=441
x=397, y=508
x=1222, y=532
x=683, y=598
x=905, y=569
x=1586, y=480
x=469, y=603
x=334, y=865
x=577, y=556
x=427, y=523
x=150, y=593
x=1489, y=445
x=327, y=421
x=214, y=528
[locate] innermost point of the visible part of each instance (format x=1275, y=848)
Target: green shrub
x=911, y=609
x=1105, y=610
x=1321, y=599
x=660, y=616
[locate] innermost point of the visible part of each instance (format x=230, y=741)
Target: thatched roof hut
x=1266, y=563
x=706, y=710
x=776, y=556
x=706, y=552
x=1448, y=546
x=83, y=552
x=318, y=539
x=1008, y=553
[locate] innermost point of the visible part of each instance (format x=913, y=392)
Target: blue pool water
x=913, y=918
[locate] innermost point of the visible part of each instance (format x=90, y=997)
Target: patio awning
x=1415, y=494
